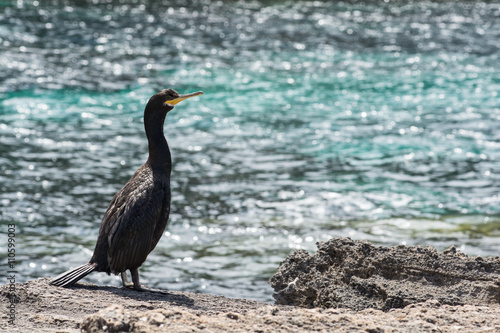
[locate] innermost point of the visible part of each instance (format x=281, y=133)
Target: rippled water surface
x=373, y=120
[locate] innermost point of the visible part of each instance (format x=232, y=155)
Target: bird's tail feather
x=70, y=277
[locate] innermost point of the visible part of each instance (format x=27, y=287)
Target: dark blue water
x=374, y=120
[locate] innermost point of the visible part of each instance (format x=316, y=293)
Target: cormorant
x=138, y=213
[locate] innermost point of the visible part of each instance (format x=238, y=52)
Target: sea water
x=374, y=120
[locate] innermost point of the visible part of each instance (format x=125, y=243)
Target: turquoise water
x=373, y=120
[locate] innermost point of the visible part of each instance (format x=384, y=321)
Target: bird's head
x=167, y=98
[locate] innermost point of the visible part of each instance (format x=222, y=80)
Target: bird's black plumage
x=138, y=214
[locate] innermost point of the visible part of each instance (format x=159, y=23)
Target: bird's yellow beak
x=183, y=97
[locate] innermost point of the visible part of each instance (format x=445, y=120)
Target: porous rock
x=358, y=275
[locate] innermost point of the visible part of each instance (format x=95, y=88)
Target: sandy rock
x=430, y=316
x=357, y=275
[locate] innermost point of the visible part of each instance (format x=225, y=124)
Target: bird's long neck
x=159, y=153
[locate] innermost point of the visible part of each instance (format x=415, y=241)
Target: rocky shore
x=346, y=286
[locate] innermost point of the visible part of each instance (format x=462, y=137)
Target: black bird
x=138, y=213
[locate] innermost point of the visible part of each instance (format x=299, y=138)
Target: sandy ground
x=90, y=308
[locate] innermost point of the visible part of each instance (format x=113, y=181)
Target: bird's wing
x=133, y=215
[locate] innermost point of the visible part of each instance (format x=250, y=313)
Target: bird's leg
x=135, y=278
x=126, y=282
x=137, y=285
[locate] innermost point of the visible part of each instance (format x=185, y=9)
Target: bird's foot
x=126, y=282
x=128, y=285
x=137, y=285
x=151, y=290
